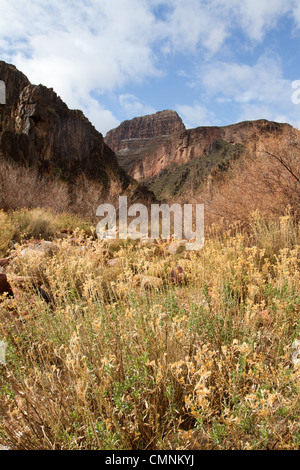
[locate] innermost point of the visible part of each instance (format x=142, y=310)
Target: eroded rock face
x=136, y=132
x=168, y=164
x=38, y=129
x=183, y=147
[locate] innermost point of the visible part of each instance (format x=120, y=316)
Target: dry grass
x=25, y=224
x=22, y=187
x=25, y=188
x=110, y=364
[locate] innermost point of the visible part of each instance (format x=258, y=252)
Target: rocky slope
x=168, y=163
x=187, y=178
x=38, y=129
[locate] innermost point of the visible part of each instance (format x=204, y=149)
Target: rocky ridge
x=192, y=143
x=38, y=129
x=155, y=159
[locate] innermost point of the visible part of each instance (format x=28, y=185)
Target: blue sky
x=215, y=62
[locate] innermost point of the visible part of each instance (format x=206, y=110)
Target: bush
x=21, y=187
x=6, y=233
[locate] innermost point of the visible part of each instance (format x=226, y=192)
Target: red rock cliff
x=135, y=132
x=144, y=159
x=38, y=129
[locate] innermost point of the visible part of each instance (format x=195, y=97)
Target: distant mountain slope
x=179, y=180
x=172, y=164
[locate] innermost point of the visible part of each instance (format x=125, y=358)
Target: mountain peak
x=162, y=123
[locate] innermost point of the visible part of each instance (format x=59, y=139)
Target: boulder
x=176, y=247
x=11, y=285
x=296, y=353
x=23, y=281
x=5, y=287
x=177, y=275
x=114, y=262
x=149, y=241
x=4, y=262
x=40, y=249
x=44, y=294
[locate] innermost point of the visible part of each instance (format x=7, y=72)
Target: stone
x=42, y=249
x=149, y=241
x=296, y=353
x=44, y=294
x=23, y=281
x=176, y=247
x=177, y=275
x=5, y=262
x=5, y=287
x=12, y=285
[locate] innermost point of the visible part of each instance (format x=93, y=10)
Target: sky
x=215, y=62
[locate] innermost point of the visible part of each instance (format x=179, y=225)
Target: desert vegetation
x=142, y=344
x=134, y=345
x=26, y=188
x=111, y=344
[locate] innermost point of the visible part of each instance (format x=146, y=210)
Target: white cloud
x=252, y=111
x=259, y=91
x=244, y=83
x=296, y=11
x=195, y=116
x=101, y=118
x=255, y=17
x=192, y=23
x=80, y=46
x=133, y=107
x=88, y=48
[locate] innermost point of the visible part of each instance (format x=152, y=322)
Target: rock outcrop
x=136, y=132
x=37, y=129
x=172, y=161
x=182, y=147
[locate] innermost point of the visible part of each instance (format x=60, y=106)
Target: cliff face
x=146, y=158
x=134, y=133
x=186, y=179
x=169, y=163
x=184, y=147
x=37, y=129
